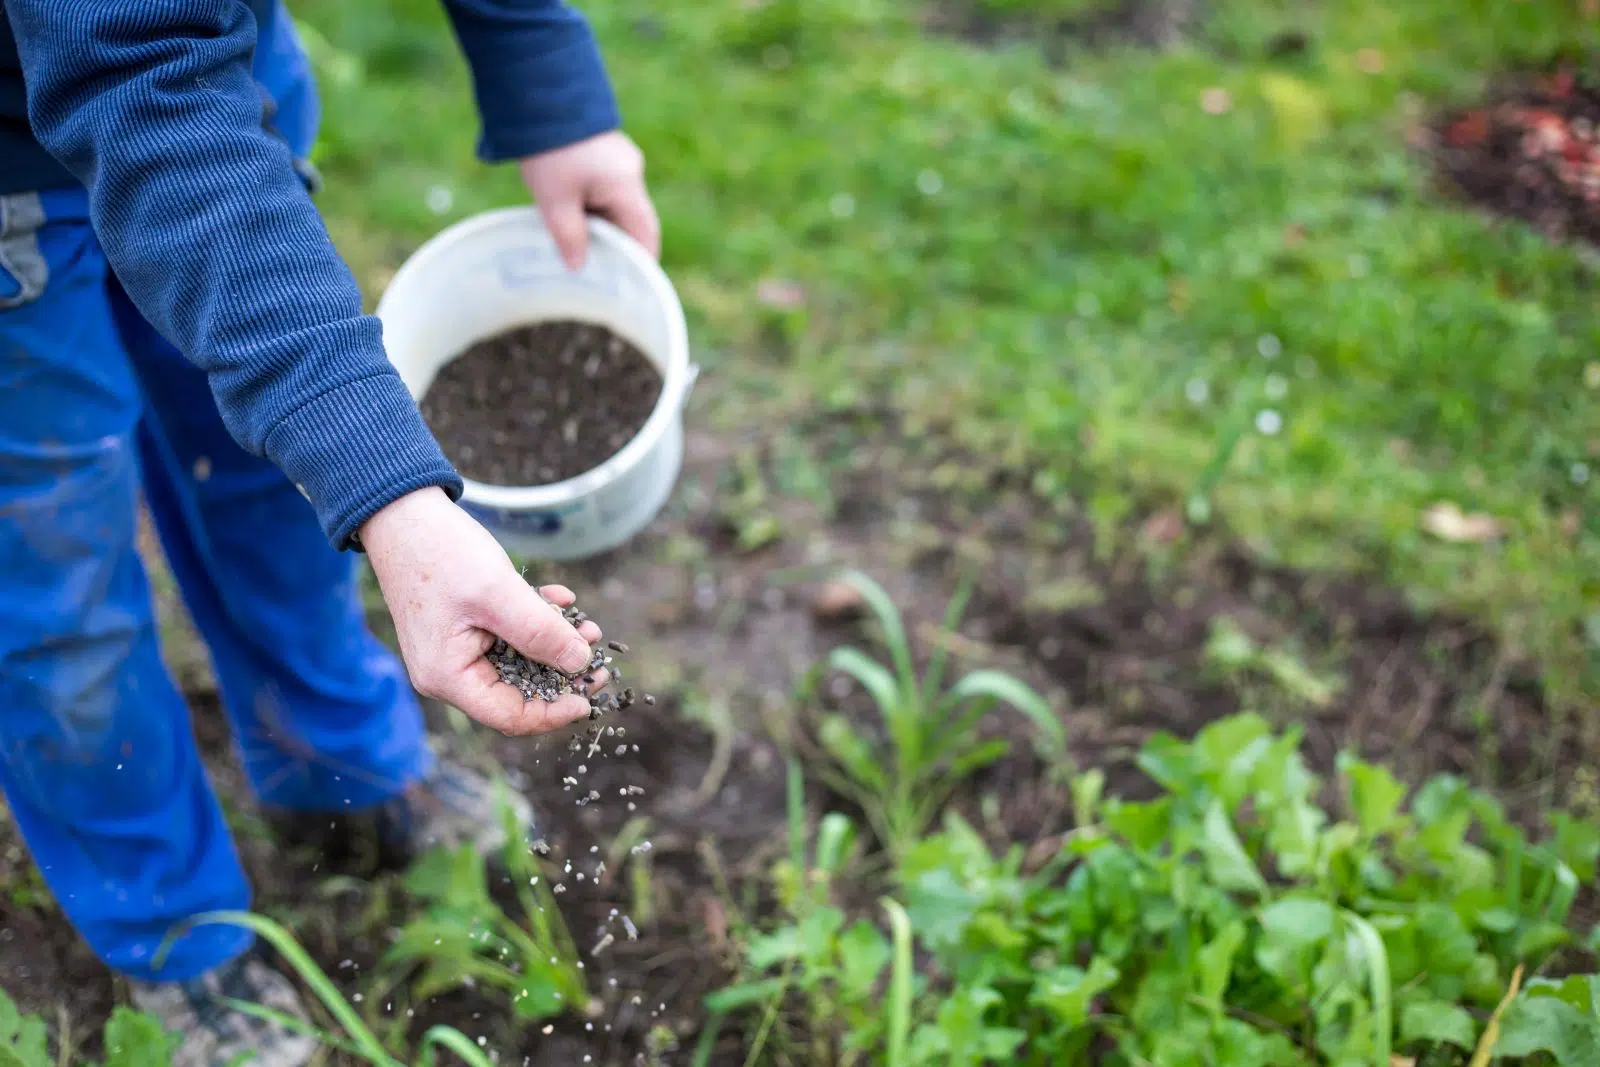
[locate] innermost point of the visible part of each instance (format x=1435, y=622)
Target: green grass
x=1057, y=259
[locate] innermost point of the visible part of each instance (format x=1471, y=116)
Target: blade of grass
x=901, y=717
x=900, y=720
x=900, y=982
x=933, y=678
x=1516, y=853
x=797, y=818
x=1008, y=690
x=298, y=1025
x=770, y=1016
x=836, y=836
x=955, y=733
x=708, y=1039
x=448, y=1037
x=309, y=972
x=872, y=675
x=1382, y=994
x=871, y=804
x=641, y=891
x=548, y=934
x=853, y=752
x=888, y=616
x=1491, y=1031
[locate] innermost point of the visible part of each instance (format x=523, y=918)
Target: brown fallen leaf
x=1164, y=527
x=1470, y=129
x=780, y=294
x=1448, y=522
x=715, y=918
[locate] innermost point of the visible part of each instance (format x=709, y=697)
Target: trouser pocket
x=23, y=269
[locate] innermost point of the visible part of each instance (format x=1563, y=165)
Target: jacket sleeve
x=537, y=74
x=151, y=105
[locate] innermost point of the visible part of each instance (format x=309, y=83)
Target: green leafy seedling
x=132, y=1039
x=464, y=935
x=22, y=1037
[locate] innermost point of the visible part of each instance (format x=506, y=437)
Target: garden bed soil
x=1114, y=632
x=541, y=404
x=1531, y=150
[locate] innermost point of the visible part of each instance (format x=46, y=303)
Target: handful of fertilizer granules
x=536, y=681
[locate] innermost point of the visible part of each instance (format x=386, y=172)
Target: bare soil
x=540, y=404
x=1531, y=150
x=1112, y=628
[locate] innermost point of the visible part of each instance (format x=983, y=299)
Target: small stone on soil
x=837, y=600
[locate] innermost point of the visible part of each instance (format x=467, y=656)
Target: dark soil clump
x=1092, y=25
x=541, y=404
x=1532, y=151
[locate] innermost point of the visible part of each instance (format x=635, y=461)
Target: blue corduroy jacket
x=151, y=106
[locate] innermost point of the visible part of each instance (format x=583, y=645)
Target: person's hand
x=603, y=175
x=452, y=590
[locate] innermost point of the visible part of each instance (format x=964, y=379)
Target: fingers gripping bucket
x=501, y=270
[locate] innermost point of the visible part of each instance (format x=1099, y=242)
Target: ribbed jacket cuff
x=357, y=448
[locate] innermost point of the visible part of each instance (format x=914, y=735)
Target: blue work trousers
x=97, y=753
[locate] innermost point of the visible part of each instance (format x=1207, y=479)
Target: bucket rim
x=678, y=374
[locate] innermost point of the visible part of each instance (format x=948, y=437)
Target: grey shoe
x=451, y=807
x=215, y=1034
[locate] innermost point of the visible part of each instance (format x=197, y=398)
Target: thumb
x=565, y=218
x=529, y=624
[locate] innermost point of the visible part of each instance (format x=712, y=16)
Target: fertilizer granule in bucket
x=541, y=404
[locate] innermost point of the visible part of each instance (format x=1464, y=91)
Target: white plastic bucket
x=501, y=270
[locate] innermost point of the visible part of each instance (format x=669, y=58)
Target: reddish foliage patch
x=1532, y=150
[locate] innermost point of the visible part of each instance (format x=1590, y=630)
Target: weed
x=828, y=965
x=463, y=936
x=1233, y=655
x=745, y=506
x=1232, y=921
x=135, y=1039
x=132, y=1039
x=26, y=890
x=355, y=1037
x=928, y=730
